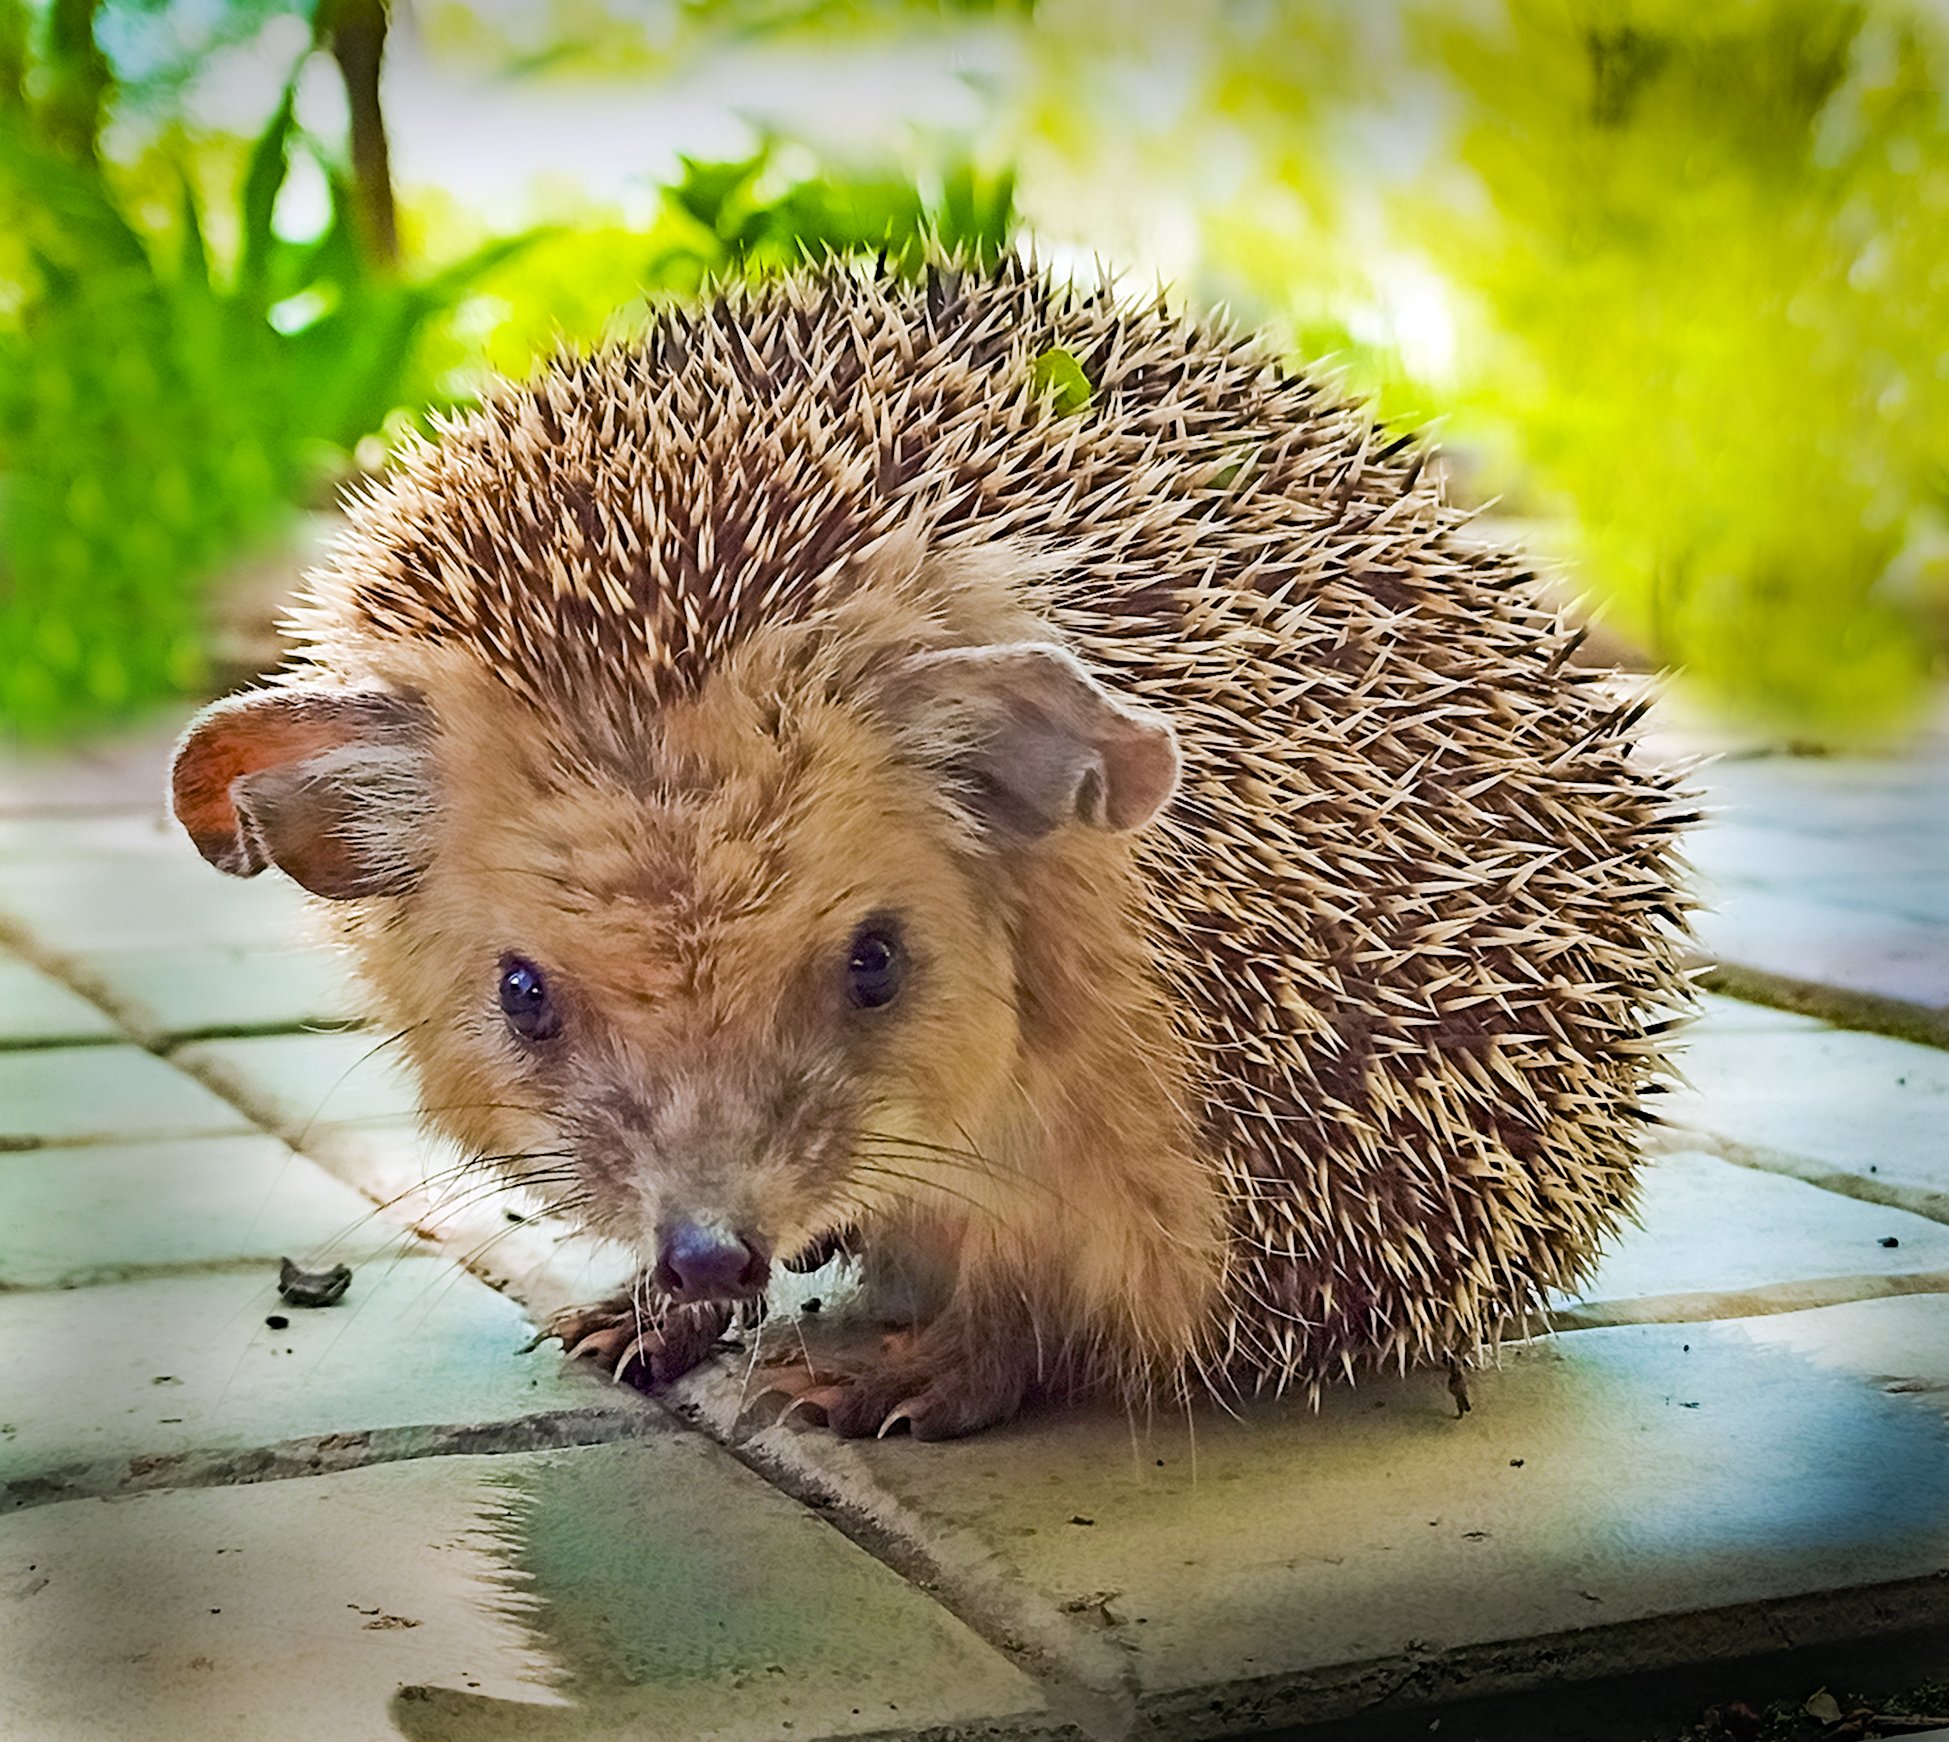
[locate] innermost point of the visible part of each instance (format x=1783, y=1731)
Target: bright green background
x=1670, y=280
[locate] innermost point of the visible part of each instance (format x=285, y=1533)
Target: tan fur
x=672, y=902
x=1339, y=1062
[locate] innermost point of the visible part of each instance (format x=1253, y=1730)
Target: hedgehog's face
x=758, y=986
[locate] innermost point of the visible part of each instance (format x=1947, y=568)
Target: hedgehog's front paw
x=638, y=1339
x=924, y=1389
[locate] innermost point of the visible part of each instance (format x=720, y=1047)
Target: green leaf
x=335, y=256
x=195, y=268
x=270, y=159
x=1059, y=375
x=715, y=193
x=69, y=206
x=976, y=212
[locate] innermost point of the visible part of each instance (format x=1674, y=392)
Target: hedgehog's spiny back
x=658, y=499
x=1419, y=889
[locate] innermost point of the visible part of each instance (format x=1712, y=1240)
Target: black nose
x=697, y=1262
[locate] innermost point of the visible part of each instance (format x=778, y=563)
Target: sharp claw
x=598, y=1345
x=815, y=1412
x=638, y=1346
x=901, y=1413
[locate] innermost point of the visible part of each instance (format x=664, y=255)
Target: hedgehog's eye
x=525, y=1001
x=875, y=965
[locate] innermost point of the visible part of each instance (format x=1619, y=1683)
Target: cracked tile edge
x=1430, y=1676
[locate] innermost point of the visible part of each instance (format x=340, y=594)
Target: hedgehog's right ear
x=1038, y=742
x=333, y=787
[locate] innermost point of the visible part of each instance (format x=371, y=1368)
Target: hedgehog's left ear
x=1041, y=743
x=334, y=787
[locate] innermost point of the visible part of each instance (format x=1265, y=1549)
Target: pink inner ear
x=241, y=736
x=1142, y=758
x=1051, y=739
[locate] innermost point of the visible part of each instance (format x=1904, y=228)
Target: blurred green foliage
x=598, y=278
x=605, y=38
x=1670, y=272
x=1669, y=276
x=1709, y=289
x=158, y=413
x=746, y=220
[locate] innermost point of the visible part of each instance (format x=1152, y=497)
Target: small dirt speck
x=277, y=1321
x=313, y=1288
x=1078, y=1518
x=1096, y=1603
x=1889, y=1241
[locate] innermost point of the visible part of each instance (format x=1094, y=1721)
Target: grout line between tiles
x=1104, y=1714
x=1839, y=1006
x=328, y=1454
x=1082, y=1679
x=1864, y=1188
x=61, y=1043
x=85, y=983
x=22, y=943
x=1086, y=1682
x=111, y=1275
x=1708, y=1305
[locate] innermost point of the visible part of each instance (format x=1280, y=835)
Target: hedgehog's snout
x=709, y=1261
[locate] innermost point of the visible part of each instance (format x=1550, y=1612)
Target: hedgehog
x=1015, y=784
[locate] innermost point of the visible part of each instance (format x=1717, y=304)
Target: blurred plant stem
x=354, y=31
x=77, y=80
x=13, y=54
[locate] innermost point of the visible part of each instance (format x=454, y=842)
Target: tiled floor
x=226, y=1518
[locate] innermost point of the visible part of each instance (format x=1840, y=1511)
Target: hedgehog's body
x=713, y=641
